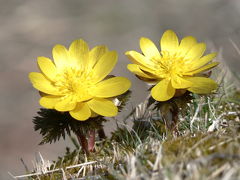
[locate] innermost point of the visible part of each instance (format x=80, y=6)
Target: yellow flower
x=77, y=81
x=176, y=68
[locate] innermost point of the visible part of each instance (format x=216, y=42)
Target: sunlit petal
x=180, y=83
x=40, y=82
x=66, y=104
x=148, y=48
x=163, y=91
x=138, y=58
x=81, y=112
x=105, y=65
x=202, y=85
x=169, y=42
x=95, y=54
x=103, y=107
x=60, y=56
x=202, y=69
x=111, y=87
x=47, y=67
x=202, y=61
x=196, y=51
x=79, y=53
x=49, y=101
x=134, y=68
x=186, y=44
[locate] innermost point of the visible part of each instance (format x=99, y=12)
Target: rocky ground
x=31, y=28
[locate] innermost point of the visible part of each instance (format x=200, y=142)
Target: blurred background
x=30, y=28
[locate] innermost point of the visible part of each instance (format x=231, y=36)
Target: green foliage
x=53, y=124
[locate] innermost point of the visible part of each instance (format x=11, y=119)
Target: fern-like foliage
x=53, y=125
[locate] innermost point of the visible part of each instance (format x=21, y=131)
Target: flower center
x=169, y=65
x=75, y=82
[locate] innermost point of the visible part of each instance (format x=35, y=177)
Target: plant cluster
x=187, y=128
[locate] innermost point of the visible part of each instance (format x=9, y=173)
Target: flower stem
x=169, y=113
x=91, y=140
x=83, y=141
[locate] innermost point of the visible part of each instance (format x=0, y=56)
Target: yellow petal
x=202, y=85
x=81, y=112
x=103, y=107
x=202, y=69
x=49, y=101
x=180, y=83
x=196, y=51
x=95, y=54
x=66, y=104
x=138, y=58
x=169, y=42
x=60, y=56
x=47, y=67
x=105, y=65
x=134, y=68
x=79, y=53
x=163, y=91
x=111, y=87
x=186, y=44
x=202, y=61
x=41, y=83
x=149, y=49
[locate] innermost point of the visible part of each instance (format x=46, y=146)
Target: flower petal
x=103, y=107
x=105, y=65
x=41, y=83
x=180, y=83
x=79, y=53
x=95, y=54
x=47, y=67
x=138, y=58
x=196, y=52
x=202, y=69
x=66, y=104
x=202, y=85
x=49, y=101
x=163, y=91
x=82, y=112
x=134, y=68
x=169, y=42
x=60, y=56
x=186, y=44
x=111, y=87
x=148, y=48
x=202, y=61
